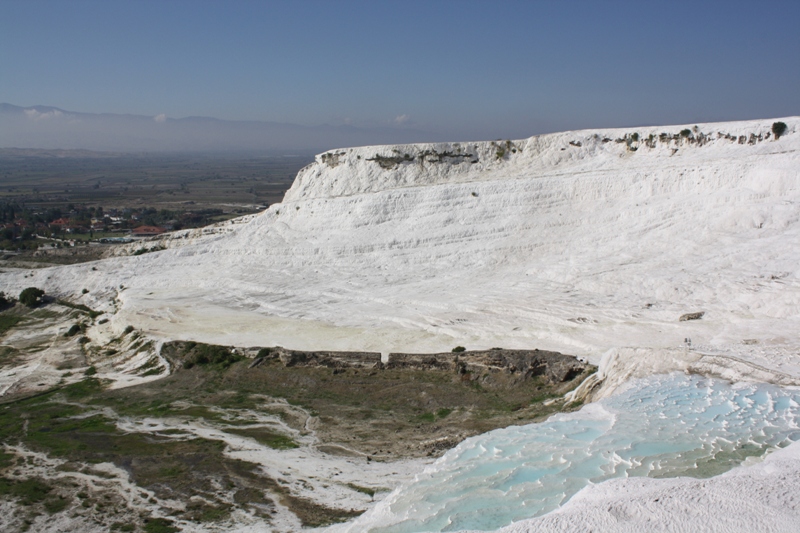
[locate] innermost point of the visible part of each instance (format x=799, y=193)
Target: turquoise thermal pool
x=662, y=426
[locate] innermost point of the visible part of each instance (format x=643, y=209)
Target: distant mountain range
x=45, y=127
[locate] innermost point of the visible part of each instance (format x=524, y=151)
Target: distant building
x=147, y=231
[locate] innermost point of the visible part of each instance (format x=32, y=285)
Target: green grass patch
x=208, y=513
x=173, y=471
x=426, y=417
x=84, y=388
x=56, y=505
x=8, y=321
x=80, y=307
x=160, y=525
x=364, y=490
x=27, y=491
x=267, y=437
x=8, y=356
x=148, y=365
x=431, y=417
x=543, y=396
x=44, y=314
x=6, y=460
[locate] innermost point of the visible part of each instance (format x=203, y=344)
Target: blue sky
x=471, y=69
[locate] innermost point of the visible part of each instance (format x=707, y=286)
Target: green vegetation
x=5, y=301
x=56, y=505
x=266, y=437
x=5, y=460
x=159, y=525
x=209, y=355
x=778, y=129
x=8, y=321
x=73, y=330
x=459, y=349
x=31, y=297
x=686, y=133
x=431, y=417
x=27, y=492
x=263, y=352
x=364, y=490
x=172, y=468
x=382, y=413
x=80, y=307
x=390, y=162
x=142, y=251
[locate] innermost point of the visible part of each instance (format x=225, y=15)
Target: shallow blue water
x=662, y=426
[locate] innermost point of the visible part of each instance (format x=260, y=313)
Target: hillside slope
x=581, y=242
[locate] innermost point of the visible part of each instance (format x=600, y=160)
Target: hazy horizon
x=402, y=71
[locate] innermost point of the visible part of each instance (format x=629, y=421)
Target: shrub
x=264, y=352
x=459, y=349
x=7, y=322
x=778, y=129
x=91, y=371
x=159, y=525
x=213, y=356
x=686, y=133
x=74, y=330
x=128, y=329
x=31, y=296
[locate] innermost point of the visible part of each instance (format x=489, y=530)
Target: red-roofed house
x=147, y=231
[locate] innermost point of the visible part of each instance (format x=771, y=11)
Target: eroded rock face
x=327, y=359
x=555, y=366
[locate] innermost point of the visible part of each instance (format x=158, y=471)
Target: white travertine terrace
x=591, y=242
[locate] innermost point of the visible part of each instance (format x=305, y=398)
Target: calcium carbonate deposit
x=648, y=250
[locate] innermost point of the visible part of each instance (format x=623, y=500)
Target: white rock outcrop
x=586, y=242
x=579, y=241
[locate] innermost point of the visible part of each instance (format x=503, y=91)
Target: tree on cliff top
x=778, y=129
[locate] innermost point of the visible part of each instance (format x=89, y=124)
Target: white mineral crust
x=570, y=241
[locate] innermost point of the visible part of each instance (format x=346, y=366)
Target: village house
x=60, y=222
x=147, y=231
